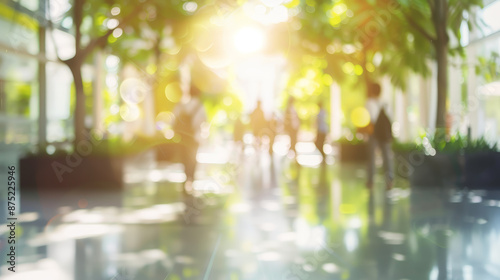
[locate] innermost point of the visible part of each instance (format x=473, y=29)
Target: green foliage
x=18, y=95
x=222, y=110
x=405, y=147
x=309, y=85
x=457, y=144
x=112, y=146
x=351, y=141
x=489, y=68
x=481, y=145
x=119, y=147
x=380, y=33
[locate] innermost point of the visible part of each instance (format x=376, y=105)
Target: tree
x=357, y=39
x=432, y=21
x=93, y=23
x=404, y=35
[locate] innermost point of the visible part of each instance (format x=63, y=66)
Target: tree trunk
x=442, y=83
x=79, y=114
x=440, y=20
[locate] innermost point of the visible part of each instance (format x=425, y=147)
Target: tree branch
x=419, y=28
x=431, y=5
x=78, y=18
x=100, y=41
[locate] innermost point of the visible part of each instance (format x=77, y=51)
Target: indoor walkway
x=253, y=217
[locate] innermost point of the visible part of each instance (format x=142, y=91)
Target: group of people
x=191, y=114
x=268, y=128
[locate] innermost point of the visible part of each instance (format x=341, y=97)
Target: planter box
x=402, y=164
x=353, y=153
x=474, y=171
x=436, y=171
x=49, y=182
x=482, y=170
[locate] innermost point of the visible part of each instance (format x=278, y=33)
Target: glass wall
x=19, y=99
x=484, y=88
x=21, y=59
x=59, y=121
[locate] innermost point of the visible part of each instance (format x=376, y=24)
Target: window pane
x=20, y=33
x=19, y=99
x=59, y=121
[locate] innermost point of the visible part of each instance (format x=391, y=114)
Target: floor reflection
x=253, y=216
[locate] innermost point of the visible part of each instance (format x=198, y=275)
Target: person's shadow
x=380, y=250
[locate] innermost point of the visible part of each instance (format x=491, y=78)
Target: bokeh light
x=348, y=67
x=173, y=92
x=133, y=90
x=130, y=112
x=360, y=117
x=190, y=7
x=358, y=70
x=169, y=134
x=204, y=39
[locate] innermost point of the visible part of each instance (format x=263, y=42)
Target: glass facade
x=31, y=75
x=19, y=90
x=483, y=90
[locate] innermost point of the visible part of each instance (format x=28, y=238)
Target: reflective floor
x=256, y=217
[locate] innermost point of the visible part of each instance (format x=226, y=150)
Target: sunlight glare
x=249, y=39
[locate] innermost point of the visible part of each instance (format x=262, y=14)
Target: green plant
x=353, y=141
x=454, y=144
x=481, y=145
x=402, y=147
x=114, y=146
x=489, y=67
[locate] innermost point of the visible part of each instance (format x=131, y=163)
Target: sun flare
x=249, y=39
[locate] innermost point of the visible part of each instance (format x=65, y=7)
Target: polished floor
x=257, y=217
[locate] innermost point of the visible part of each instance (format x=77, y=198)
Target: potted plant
x=432, y=162
x=353, y=149
x=405, y=153
x=455, y=161
x=482, y=165
x=50, y=179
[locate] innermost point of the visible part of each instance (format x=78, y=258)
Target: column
x=423, y=106
x=473, y=105
x=455, y=95
x=42, y=90
x=98, y=99
x=432, y=104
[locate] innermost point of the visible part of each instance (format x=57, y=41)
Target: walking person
x=322, y=130
x=238, y=133
x=380, y=135
x=258, y=123
x=189, y=116
x=292, y=123
x=273, y=131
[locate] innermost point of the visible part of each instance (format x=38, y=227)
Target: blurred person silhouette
x=292, y=123
x=258, y=123
x=322, y=129
x=238, y=133
x=273, y=130
x=189, y=116
x=379, y=134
